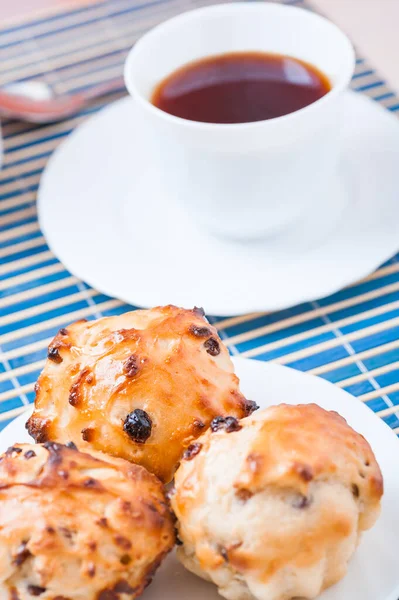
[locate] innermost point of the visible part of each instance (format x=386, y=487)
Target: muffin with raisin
x=140, y=386
x=75, y=526
x=273, y=507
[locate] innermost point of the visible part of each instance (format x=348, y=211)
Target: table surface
x=375, y=32
x=350, y=338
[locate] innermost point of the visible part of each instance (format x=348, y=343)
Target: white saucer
x=109, y=223
x=373, y=573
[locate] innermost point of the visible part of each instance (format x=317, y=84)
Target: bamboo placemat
x=350, y=338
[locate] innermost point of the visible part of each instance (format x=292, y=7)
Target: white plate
x=373, y=573
x=105, y=217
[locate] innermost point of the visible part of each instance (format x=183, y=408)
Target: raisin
x=67, y=533
x=250, y=406
x=301, y=502
x=244, y=495
x=192, y=451
x=355, y=490
x=74, y=394
x=63, y=331
x=12, y=449
x=36, y=590
x=229, y=424
x=198, y=310
x=212, y=346
x=29, y=454
x=87, y=434
x=91, y=571
x=131, y=366
x=122, y=542
x=90, y=483
x=52, y=447
x=305, y=473
x=71, y=445
x=138, y=426
x=223, y=552
x=22, y=555
x=102, y=522
x=200, y=332
x=54, y=354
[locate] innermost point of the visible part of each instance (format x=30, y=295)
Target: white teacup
x=248, y=180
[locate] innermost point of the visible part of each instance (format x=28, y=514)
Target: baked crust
x=75, y=526
x=166, y=362
x=273, y=507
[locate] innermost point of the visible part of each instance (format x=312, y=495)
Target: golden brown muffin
x=140, y=386
x=78, y=527
x=272, y=507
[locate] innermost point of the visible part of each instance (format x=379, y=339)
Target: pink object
x=16, y=106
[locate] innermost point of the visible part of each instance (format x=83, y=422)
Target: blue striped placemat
x=350, y=338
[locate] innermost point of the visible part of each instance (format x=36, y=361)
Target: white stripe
x=45, y=307
x=56, y=321
x=328, y=345
x=29, y=261
x=31, y=276
x=39, y=290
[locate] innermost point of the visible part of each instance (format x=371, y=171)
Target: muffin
x=140, y=386
x=272, y=507
x=78, y=527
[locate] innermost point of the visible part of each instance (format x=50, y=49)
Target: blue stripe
x=33, y=143
x=23, y=270
x=10, y=226
x=340, y=374
x=28, y=378
x=27, y=359
x=294, y=347
x=32, y=284
x=392, y=421
x=38, y=300
x=10, y=404
x=281, y=334
x=364, y=88
x=384, y=97
x=50, y=314
x=361, y=288
x=319, y=359
x=21, y=238
x=16, y=209
x=363, y=74
x=375, y=340
x=360, y=388
x=24, y=254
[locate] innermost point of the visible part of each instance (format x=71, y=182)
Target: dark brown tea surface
x=240, y=87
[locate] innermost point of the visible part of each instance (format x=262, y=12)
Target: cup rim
x=146, y=103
